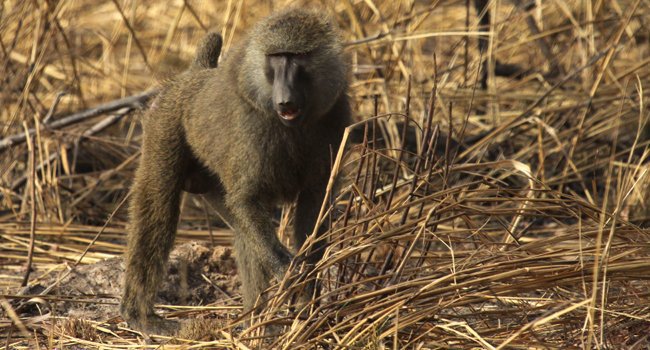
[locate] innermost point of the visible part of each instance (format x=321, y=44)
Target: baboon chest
x=285, y=165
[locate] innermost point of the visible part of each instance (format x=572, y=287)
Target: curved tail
x=207, y=54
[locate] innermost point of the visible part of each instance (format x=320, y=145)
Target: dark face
x=287, y=74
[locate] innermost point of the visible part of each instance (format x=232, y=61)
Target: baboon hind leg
x=153, y=212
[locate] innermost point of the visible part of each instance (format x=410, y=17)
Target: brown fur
x=208, y=53
x=214, y=131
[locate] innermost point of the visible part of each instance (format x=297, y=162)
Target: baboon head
x=293, y=66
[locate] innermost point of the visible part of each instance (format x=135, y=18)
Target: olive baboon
x=250, y=134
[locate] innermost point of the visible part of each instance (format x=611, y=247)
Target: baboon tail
x=207, y=54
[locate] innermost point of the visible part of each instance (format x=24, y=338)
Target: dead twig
x=32, y=214
x=134, y=101
x=103, y=124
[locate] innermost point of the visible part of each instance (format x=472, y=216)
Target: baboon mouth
x=289, y=114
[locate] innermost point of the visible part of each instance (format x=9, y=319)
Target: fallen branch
x=101, y=125
x=134, y=101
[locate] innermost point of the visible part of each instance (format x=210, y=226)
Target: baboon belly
x=198, y=179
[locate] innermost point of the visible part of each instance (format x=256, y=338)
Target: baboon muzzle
x=287, y=97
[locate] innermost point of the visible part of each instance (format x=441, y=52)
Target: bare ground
x=197, y=274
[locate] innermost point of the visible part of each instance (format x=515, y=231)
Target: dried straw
x=524, y=229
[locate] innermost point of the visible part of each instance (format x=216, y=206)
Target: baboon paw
x=155, y=324
x=164, y=327
x=280, y=268
x=304, y=299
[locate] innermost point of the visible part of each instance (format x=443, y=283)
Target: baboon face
x=287, y=73
x=293, y=68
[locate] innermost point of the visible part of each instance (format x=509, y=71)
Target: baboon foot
x=154, y=324
x=304, y=296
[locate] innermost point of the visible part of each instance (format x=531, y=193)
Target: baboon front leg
x=308, y=207
x=153, y=212
x=260, y=254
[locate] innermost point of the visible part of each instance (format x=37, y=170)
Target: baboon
x=250, y=134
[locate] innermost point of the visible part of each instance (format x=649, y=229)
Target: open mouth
x=289, y=113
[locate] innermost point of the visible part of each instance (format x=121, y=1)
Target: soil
x=197, y=275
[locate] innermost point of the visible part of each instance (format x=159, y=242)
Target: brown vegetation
x=529, y=235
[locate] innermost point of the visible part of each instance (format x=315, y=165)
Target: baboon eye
x=302, y=56
x=290, y=54
x=268, y=73
x=303, y=74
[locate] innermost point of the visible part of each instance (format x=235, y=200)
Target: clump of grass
x=81, y=329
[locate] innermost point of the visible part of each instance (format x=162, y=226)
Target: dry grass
x=528, y=236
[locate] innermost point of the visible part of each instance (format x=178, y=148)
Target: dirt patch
x=197, y=275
